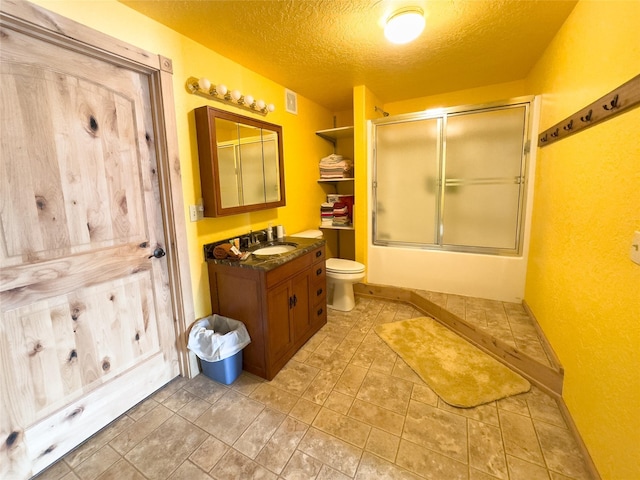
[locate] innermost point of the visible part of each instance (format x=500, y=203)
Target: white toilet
x=341, y=275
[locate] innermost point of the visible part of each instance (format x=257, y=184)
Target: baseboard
x=551, y=354
x=547, y=379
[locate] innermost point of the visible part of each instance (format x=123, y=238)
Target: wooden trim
x=546, y=378
x=175, y=221
x=625, y=97
x=571, y=425
x=36, y=21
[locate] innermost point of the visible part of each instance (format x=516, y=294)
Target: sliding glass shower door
x=451, y=181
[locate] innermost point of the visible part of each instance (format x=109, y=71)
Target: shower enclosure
x=451, y=180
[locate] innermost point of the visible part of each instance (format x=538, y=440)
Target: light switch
x=635, y=248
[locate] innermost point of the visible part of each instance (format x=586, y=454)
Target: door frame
x=43, y=24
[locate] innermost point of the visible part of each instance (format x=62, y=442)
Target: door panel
x=279, y=300
x=86, y=313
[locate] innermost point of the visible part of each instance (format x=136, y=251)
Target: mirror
x=241, y=163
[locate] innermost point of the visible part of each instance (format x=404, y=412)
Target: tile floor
x=344, y=407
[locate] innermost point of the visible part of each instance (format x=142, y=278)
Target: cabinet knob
x=318, y=253
x=319, y=292
x=318, y=271
x=320, y=310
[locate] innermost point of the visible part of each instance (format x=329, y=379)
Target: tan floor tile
x=342, y=427
x=544, y=408
x=208, y=453
x=188, y=471
x=376, y=416
x=169, y=389
x=70, y=476
x=339, y=402
x=178, y=400
x=301, y=467
x=428, y=463
x=121, y=470
x=372, y=467
x=295, y=377
x=424, y=394
x=97, y=463
x=192, y=410
x=523, y=470
x=166, y=448
x=278, y=450
x=520, y=438
x=99, y=440
x=487, y=413
x=478, y=475
x=386, y=391
x=229, y=416
x=328, y=473
x=235, y=465
x=351, y=379
x=514, y=404
x=139, y=430
x=246, y=383
x=205, y=388
x=321, y=387
x=334, y=452
x=275, y=398
x=486, y=452
x=383, y=444
x=305, y=411
x=326, y=362
x=141, y=409
x=447, y=432
x=54, y=472
x=404, y=371
x=259, y=432
x=561, y=451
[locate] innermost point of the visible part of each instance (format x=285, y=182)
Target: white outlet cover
x=193, y=213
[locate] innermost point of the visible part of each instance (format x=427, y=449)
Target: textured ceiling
x=321, y=49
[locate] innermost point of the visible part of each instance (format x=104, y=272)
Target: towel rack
x=623, y=98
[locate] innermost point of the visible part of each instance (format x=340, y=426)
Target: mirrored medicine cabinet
x=241, y=163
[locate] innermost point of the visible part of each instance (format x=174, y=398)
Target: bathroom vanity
x=280, y=298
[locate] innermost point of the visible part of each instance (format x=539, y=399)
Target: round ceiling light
x=404, y=25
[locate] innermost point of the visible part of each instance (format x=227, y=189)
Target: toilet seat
x=340, y=265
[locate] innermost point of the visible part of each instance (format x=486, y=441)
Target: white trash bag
x=216, y=337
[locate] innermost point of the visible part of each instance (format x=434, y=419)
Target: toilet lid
x=339, y=265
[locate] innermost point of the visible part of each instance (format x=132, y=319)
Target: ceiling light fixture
x=404, y=25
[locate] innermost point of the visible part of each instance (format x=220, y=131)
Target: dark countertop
x=304, y=245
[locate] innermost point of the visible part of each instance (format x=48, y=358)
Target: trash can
x=218, y=342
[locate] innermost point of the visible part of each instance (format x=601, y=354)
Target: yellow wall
x=581, y=284
x=472, y=96
x=302, y=148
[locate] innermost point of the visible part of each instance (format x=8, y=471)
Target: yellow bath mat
x=461, y=374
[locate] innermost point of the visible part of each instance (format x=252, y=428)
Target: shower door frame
x=441, y=115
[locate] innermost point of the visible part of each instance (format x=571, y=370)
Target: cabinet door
x=300, y=312
x=280, y=304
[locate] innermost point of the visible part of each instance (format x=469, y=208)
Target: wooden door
x=86, y=327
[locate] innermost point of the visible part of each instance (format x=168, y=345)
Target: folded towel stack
x=341, y=215
x=336, y=166
x=326, y=214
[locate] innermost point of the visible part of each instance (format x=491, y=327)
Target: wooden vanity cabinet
x=281, y=308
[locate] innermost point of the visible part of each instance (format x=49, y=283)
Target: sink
x=276, y=249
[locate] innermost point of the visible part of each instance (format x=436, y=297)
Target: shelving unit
x=342, y=140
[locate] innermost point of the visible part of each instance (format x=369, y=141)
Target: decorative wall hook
x=617, y=101
x=587, y=117
x=221, y=93
x=612, y=105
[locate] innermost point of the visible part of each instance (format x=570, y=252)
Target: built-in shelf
x=333, y=134
x=331, y=227
x=333, y=180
